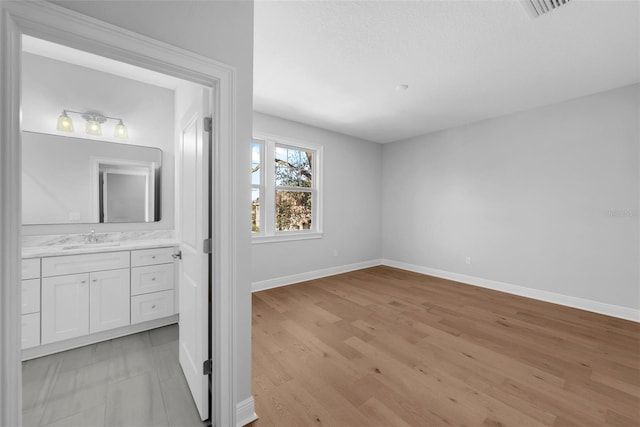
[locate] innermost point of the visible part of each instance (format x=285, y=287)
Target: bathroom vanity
x=84, y=293
x=79, y=289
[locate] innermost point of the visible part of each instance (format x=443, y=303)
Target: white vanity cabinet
x=83, y=294
x=152, y=278
x=72, y=297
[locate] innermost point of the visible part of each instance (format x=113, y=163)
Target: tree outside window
x=294, y=194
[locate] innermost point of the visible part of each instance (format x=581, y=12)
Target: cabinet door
x=65, y=307
x=109, y=300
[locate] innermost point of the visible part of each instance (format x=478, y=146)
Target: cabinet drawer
x=31, y=268
x=151, y=306
x=151, y=278
x=30, y=330
x=151, y=256
x=30, y=296
x=84, y=263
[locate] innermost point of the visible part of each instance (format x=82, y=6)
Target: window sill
x=286, y=237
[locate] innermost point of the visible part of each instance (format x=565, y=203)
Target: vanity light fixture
x=94, y=123
x=65, y=124
x=121, y=131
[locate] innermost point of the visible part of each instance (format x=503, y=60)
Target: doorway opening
x=56, y=24
x=129, y=195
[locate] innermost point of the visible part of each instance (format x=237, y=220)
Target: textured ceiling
x=336, y=64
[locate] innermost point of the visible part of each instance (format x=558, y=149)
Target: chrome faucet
x=91, y=238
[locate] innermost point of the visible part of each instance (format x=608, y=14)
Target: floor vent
x=537, y=8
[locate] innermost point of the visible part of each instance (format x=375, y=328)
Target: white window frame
x=259, y=187
x=268, y=232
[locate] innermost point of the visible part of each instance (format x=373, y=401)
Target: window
x=257, y=189
x=285, y=201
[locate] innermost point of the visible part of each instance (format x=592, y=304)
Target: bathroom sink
x=91, y=245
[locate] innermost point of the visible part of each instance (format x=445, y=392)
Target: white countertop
x=86, y=248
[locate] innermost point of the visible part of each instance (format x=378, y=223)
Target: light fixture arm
x=93, y=115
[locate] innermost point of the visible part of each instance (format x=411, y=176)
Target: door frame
x=59, y=25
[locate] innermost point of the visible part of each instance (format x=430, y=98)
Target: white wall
x=49, y=86
x=351, y=206
x=221, y=30
x=545, y=199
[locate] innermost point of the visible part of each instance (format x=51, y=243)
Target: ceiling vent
x=537, y=8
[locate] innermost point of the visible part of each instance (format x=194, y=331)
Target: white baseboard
x=245, y=412
x=46, y=349
x=575, y=302
x=311, y=275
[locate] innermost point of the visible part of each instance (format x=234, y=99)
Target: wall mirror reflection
x=76, y=180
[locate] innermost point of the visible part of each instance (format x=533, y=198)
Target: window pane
x=256, y=145
x=255, y=210
x=293, y=167
x=293, y=210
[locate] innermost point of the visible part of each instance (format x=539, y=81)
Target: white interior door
x=194, y=268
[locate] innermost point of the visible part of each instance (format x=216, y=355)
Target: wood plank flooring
x=386, y=347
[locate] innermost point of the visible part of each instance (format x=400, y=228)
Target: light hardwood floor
x=386, y=347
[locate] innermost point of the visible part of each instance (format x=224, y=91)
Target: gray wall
x=221, y=30
x=351, y=205
x=546, y=199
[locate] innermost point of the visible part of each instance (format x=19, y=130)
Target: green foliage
x=293, y=210
x=255, y=216
x=293, y=168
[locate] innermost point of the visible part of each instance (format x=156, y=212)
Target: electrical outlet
x=468, y=260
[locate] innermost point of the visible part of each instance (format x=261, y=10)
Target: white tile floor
x=133, y=381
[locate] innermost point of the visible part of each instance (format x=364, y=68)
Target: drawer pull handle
x=83, y=281
x=153, y=306
x=94, y=280
x=153, y=279
x=153, y=257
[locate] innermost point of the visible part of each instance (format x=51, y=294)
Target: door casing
x=59, y=25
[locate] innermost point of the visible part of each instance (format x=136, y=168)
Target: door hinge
x=208, y=124
x=206, y=246
x=207, y=367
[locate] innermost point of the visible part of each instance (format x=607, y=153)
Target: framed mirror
x=75, y=180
